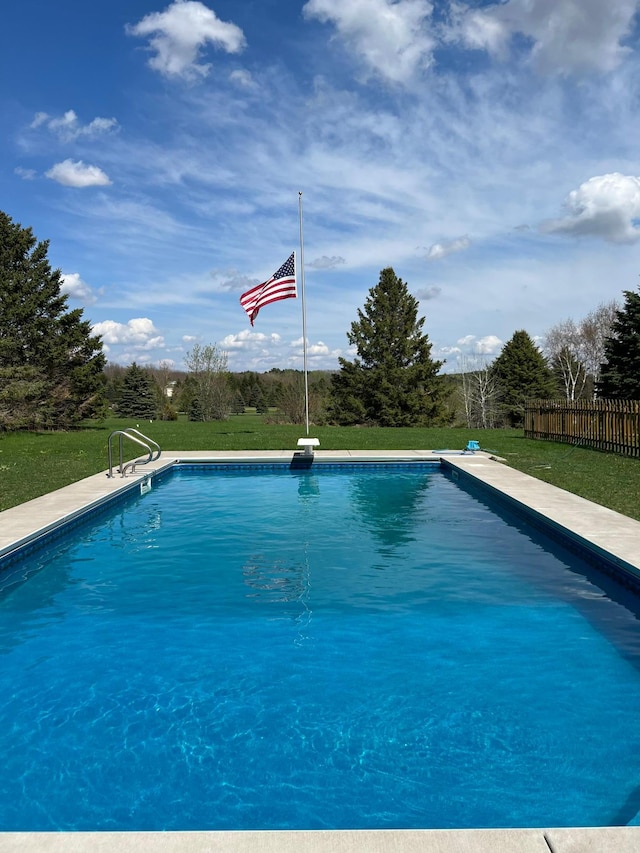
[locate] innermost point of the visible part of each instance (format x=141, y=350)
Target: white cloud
x=72, y=173
x=247, y=339
x=178, y=35
x=326, y=263
x=447, y=247
x=487, y=345
x=566, y=35
x=189, y=339
x=318, y=349
x=605, y=206
x=481, y=29
x=139, y=333
x=391, y=37
x=78, y=289
x=468, y=339
x=68, y=127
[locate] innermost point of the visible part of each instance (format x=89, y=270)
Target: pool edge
x=553, y=840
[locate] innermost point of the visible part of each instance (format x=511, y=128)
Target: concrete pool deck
x=598, y=529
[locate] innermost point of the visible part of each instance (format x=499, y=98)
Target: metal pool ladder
x=151, y=446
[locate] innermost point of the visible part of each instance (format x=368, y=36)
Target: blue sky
x=488, y=152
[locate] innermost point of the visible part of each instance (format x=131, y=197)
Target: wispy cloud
x=68, y=127
x=25, y=174
x=437, y=251
x=232, y=280
x=325, y=263
x=427, y=293
x=243, y=78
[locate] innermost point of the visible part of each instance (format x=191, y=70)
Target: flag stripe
x=283, y=289
x=281, y=285
x=276, y=297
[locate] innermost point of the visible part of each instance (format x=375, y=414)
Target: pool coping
x=598, y=529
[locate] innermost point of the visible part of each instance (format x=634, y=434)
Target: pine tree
x=620, y=371
x=51, y=364
x=393, y=381
x=138, y=395
x=523, y=373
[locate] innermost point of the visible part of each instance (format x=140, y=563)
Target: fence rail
x=612, y=425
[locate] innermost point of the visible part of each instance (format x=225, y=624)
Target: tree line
x=596, y=357
x=53, y=372
x=208, y=390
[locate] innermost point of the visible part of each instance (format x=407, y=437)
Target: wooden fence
x=612, y=425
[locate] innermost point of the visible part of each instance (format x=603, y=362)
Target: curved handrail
x=127, y=433
x=148, y=440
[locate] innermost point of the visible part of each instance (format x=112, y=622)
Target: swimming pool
x=261, y=648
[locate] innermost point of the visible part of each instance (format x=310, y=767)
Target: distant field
x=32, y=464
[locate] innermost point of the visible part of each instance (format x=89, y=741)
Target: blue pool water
x=365, y=648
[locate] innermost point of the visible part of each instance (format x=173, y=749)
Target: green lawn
x=32, y=464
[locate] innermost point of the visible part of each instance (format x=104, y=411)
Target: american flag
x=281, y=285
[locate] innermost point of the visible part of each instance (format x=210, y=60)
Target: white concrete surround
x=581, y=840
x=594, y=526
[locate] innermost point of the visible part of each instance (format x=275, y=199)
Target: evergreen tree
x=620, y=372
x=186, y=394
x=393, y=381
x=238, y=404
x=138, y=396
x=522, y=373
x=51, y=363
x=195, y=411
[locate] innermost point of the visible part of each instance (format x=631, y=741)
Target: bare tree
x=565, y=350
x=163, y=376
x=207, y=366
x=572, y=372
x=596, y=327
x=576, y=350
x=291, y=402
x=480, y=393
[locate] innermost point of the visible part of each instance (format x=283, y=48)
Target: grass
x=32, y=464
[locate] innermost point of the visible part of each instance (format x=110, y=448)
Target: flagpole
x=304, y=320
